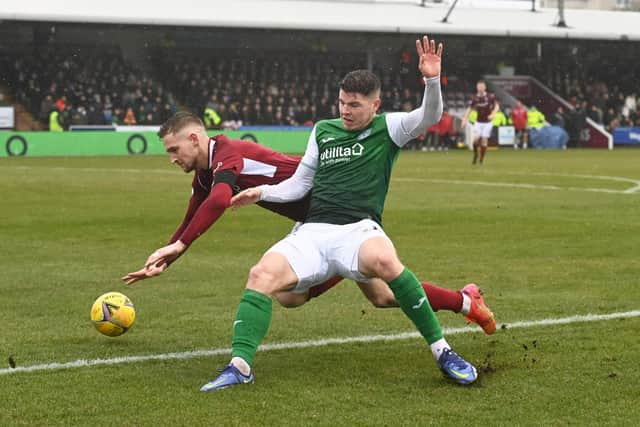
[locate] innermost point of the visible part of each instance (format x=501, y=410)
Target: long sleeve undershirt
x=403, y=127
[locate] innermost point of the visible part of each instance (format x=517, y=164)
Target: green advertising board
x=110, y=143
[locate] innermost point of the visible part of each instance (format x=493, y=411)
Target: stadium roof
x=405, y=16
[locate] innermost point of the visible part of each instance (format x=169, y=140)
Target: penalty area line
x=313, y=343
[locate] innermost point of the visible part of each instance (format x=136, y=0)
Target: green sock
x=251, y=325
x=414, y=303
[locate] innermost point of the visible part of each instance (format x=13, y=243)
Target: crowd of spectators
x=608, y=107
x=281, y=89
x=595, y=88
x=102, y=88
x=96, y=88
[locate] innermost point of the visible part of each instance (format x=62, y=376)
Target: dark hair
x=360, y=81
x=178, y=121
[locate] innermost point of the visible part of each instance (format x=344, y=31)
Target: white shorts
x=317, y=252
x=482, y=129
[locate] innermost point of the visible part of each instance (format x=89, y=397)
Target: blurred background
x=277, y=63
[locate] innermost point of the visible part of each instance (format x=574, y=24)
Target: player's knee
x=261, y=279
x=386, y=265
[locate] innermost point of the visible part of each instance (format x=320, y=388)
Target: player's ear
x=193, y=137
x=376, y=104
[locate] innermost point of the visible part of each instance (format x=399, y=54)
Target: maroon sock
x=323, y=287
x=483, y=150
x=441, y=298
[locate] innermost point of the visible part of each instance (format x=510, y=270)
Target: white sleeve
x=299, y=184
x=403, y=127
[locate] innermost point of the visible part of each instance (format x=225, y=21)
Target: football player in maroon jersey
x=223, y=167
x=487, y=106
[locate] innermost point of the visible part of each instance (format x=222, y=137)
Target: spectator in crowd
x=519, y=120
x=558, y=118
x=446, y=130
x=595, y=114
x=55, y=122
x=46, y=107
x=499, y=119
x=79, y=116
x=535, y=118
x=129, y=117
x=576, y=122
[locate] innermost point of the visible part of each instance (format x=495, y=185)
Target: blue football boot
x=456, y=367
x=228, y=377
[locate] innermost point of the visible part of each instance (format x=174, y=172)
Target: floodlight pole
x=444, y=20
x=561, y=22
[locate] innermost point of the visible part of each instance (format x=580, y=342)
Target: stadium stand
x=288, y=77
x=94, y=88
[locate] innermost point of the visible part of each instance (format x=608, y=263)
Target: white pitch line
x=314, y=343
x=632, y=190
x=517, y=185
x=104, y=170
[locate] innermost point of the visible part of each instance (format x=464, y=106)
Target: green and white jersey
x=348, y=172
x=352, y=172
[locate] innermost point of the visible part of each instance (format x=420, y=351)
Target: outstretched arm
x=206, y=214
x=403, y=127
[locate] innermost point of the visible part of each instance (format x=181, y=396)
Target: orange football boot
x=479, y=312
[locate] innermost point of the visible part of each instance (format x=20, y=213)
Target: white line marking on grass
x=632, y=190
x=106, y=170
x=517, y=185
x=314, y=343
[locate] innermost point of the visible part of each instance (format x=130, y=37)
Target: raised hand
x=430, y=59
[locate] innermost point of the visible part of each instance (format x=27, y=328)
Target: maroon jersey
x=484, y=105
x=235, y=165
x=519, y=118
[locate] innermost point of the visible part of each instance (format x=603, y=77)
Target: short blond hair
x=179, y=121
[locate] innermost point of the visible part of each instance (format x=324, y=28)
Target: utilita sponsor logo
x=335, y=154
x=634, y=136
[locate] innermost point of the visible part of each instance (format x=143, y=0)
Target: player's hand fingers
x=440, y=48
x=245, y=197
x=419, y=48
x=136, y=275
x=130, y=279
x=156, y=269
x=154, y=258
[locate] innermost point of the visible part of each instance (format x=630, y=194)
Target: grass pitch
x=547, y=234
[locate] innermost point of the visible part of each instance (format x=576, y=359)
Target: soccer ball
x=113, y=314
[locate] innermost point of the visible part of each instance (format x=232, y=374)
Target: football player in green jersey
x=347, y=166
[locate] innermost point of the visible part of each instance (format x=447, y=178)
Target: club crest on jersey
x=333, y=155
x=364, y=134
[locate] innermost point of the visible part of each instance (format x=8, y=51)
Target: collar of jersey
x=212, y=143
